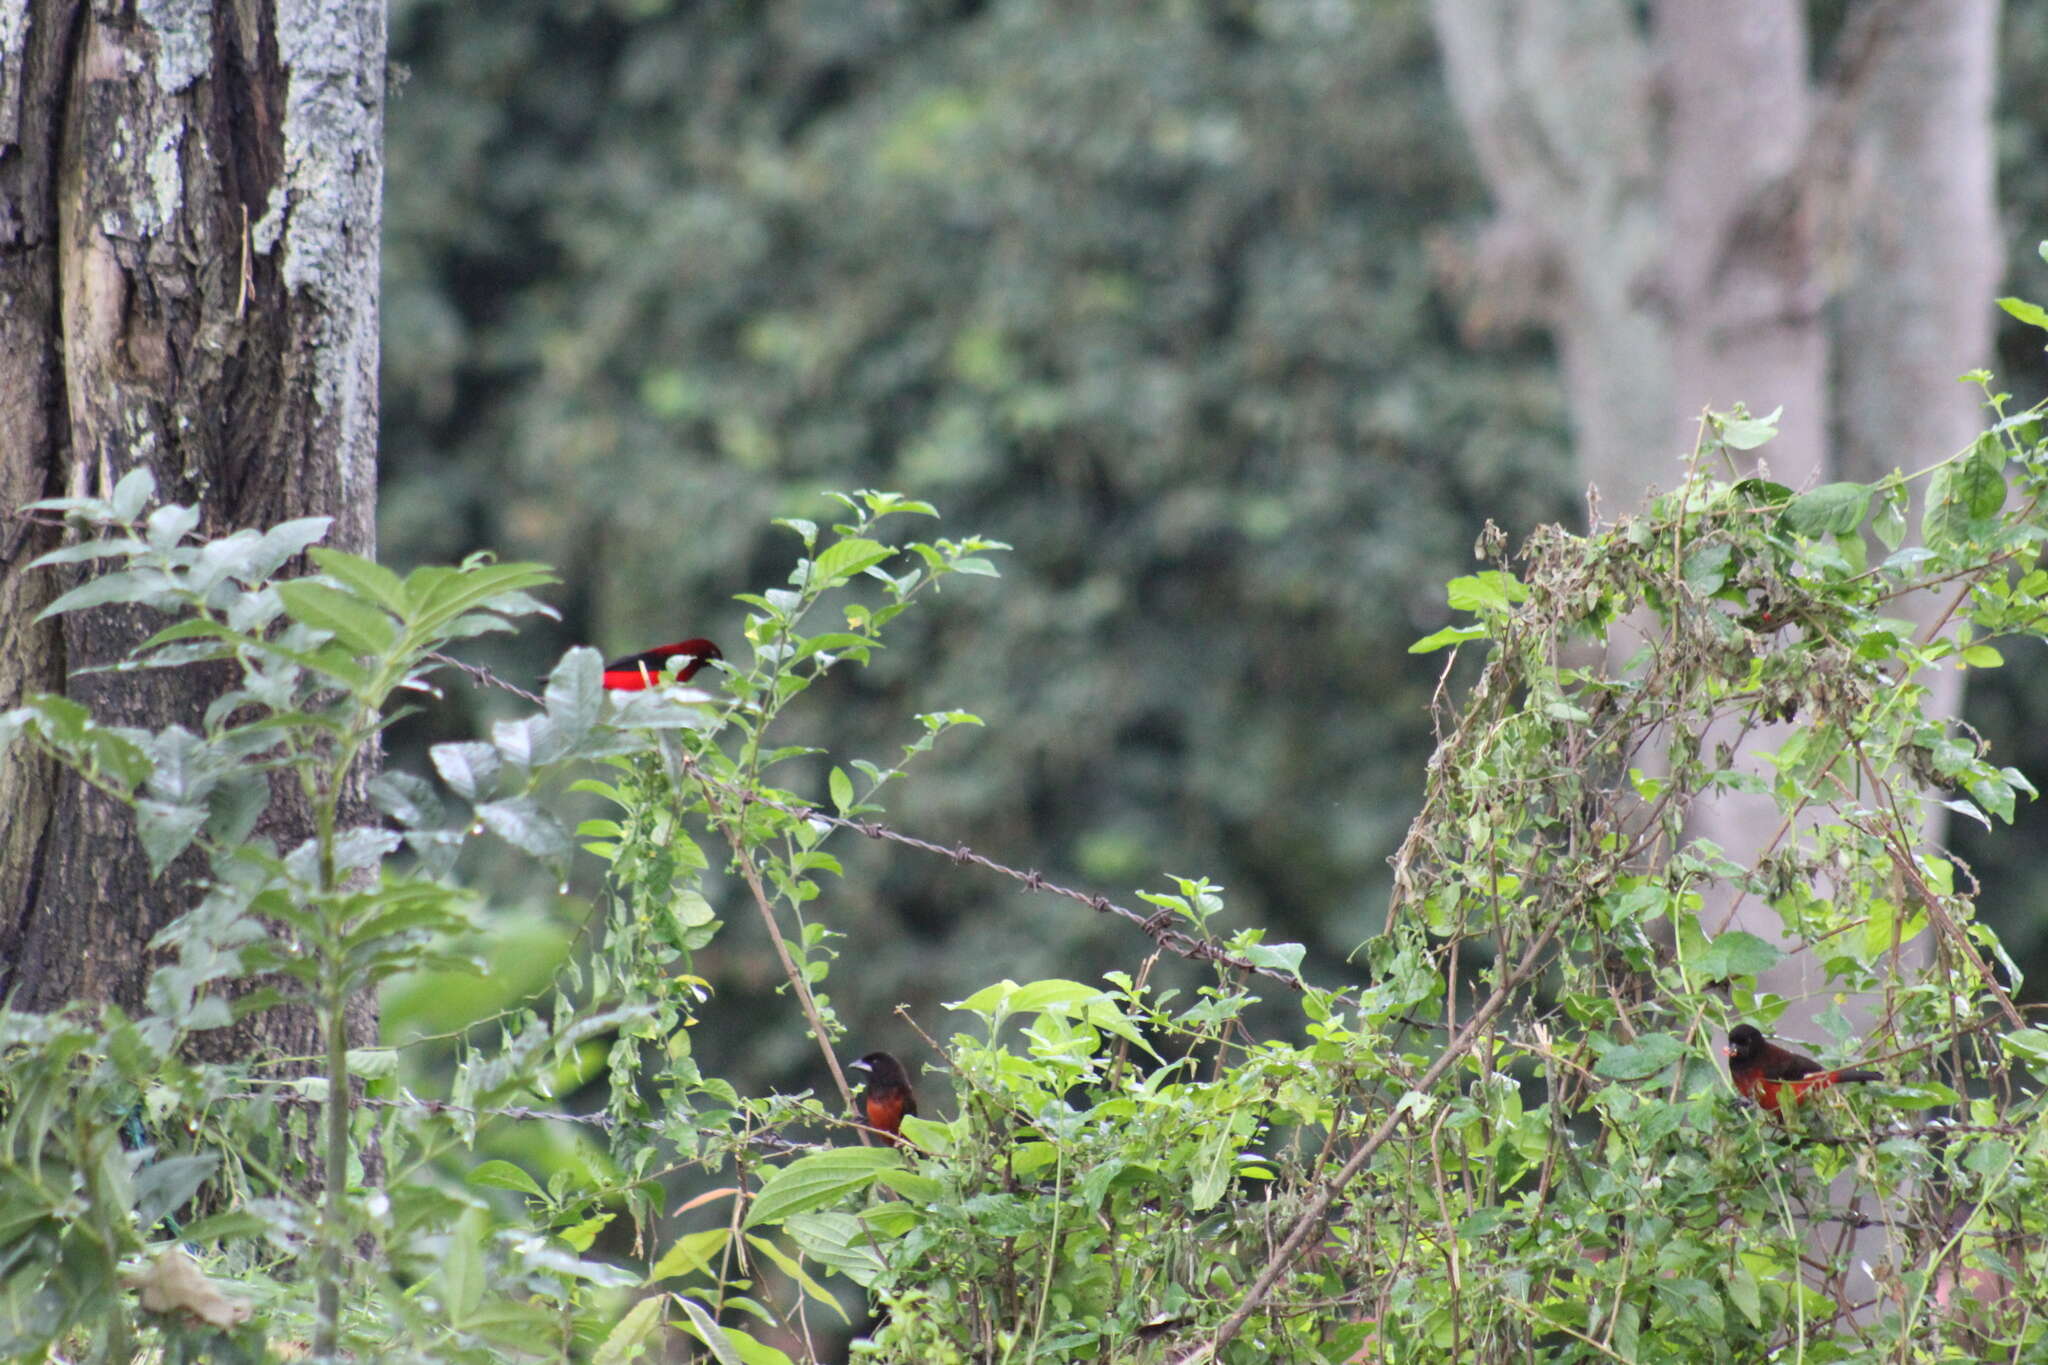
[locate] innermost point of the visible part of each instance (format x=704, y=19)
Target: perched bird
x=1773, y=1076
x=638, y=672
x=887, y=1097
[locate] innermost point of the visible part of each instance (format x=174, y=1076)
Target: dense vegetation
x=1144, y=296
x=1506, y=1133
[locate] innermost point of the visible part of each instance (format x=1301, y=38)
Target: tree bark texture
x=190, y=201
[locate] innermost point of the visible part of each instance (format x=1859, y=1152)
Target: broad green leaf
x=575, y=694
x=1493, y=589
x=838, y=1240
x=1736, y=953
x=164, y=1185
x=2030, y=313
x=1706, y=569
x=364, y=628
x=132, y=493
x=794, y=1268
x=811, y=1182
x=1640, y=1060
x=503, y=1175
x=728, y=1345
x=844, y=559
x=147, y=586
x=1449, y=635
x=692, y=1252
x=640, y=1326
x=1739, y=431
x=1743, y=1293
x=368, y=578
x=527, y=825
x=1831, y=509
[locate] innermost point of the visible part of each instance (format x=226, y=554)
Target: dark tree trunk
x=190, y=199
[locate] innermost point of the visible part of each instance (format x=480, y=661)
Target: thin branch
x=1312, y=1217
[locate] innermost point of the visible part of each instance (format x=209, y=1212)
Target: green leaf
x=1449, y=635
x=838, y=1240
x=1640, y=1060
x=1740, y=431
x=843, y=559
x=692, y=1252
x=355, y=623
x=842, y=790
x=148, y=586
x=794, y=1268
x=527, y=825
x=1921, y=1095
x=1736, y=953
x=1743, y=1293
x=1278, y=957
x=132, y=494
x=2030, y=313
x=575, y=694
x=1493, y=589
x=728, y=1345
x=1889, y=525
x=166, y=830
x=1963, y=494
x=2031, y=1047
x=471, y=768
x=167, y=1183
x=366, y=577
x=280, y=543
x=167, y=526
x=1706, y=569
x=1831, y=509
x=503, y=1175
x=624, y=1342
x=811, y=1182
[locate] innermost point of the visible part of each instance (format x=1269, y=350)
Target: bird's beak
x=1727, y=1052
x=858, y=1066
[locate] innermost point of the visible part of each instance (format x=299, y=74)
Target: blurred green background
x=1144, y=290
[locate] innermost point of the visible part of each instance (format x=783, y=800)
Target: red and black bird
x=1774, y=1076
x=887, y=1097
x=638, y=672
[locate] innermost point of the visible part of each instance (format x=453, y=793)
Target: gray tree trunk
x=1925, y=252
x=1700, y=224
x=190, y=202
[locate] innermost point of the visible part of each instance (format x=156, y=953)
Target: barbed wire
x=287, y=1095
x=1157, y=926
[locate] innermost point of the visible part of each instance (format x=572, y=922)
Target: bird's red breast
x=638, y=672
x=1774, y=1076
x=888, y=1096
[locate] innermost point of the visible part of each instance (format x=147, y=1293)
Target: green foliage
x=1146, y=290
x=1510, y=1137
x=321, y=665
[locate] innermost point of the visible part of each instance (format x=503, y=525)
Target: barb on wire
x=486, y=677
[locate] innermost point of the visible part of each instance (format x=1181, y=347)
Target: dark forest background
x=1149, y=291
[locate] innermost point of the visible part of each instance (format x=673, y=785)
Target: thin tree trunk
x=190, y=201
